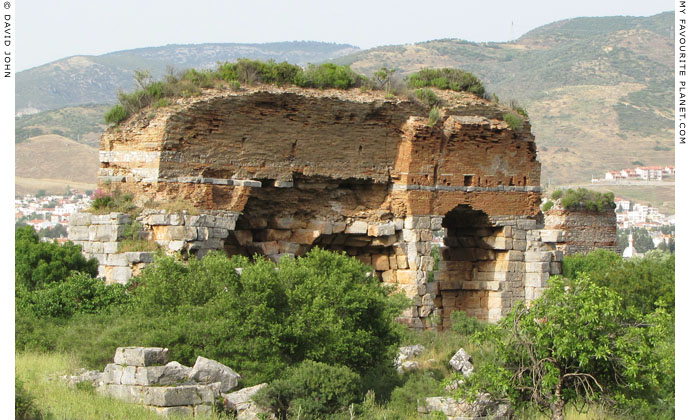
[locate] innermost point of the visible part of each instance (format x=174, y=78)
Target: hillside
x=80, y=80
x=597, y=89
x=52, y=162
x=84, y=124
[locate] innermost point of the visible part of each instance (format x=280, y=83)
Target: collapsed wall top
x=213, y=149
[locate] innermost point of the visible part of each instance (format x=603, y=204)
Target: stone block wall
x=101, y=235
x=579, y=231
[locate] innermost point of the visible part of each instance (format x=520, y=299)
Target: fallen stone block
x=141, y=356
x=240, y=403
x=461, y=362
x=208, y=371
x=171, y=396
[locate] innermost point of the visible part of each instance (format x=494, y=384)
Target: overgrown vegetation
x=515, y=121
x=115, y=201
x=447, y=78
x=584, y=199
x=548, y=205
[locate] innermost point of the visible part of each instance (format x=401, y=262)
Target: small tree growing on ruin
x=574, y=344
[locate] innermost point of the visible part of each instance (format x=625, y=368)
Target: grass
x=137, y=245
x=40, y=374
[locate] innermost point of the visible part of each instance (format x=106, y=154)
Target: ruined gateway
x=277, y=171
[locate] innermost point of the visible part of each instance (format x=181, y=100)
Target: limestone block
x=425, y=310
x=110, y=247
x=498, y=242
x=339, y=227
x=275, y=234
x=402, y=261
x=159, y=219
x=208, y=371
x=288, y=247
x=426, y=235
x=178, y=411
x=357, y=227
x=526, y=224
x=410, y=235
x=519, y=234
x=112, y=374
x=462, y=362
x=519, y=245
x=389, y=276
x=484, y=254
x=80, y=219
x=436, y=223
x=450, y=284
x=384, y=240
x=171, y=373
x=364, y=259
x=537, y=256
x=101, y=271
x=417, y=222
x=172, y=396
x=100, y=219
x=129, y=375
x=357, y=241
x=267, y=248
x=117, y=260
x=558, y=256
x=121, y=275
x=536, y=267
x=393, y=262
x=426, y=263
x=304, y=236
x=536, y=279
x=128, y=393
x=141, y=356
x=551, y=235
x=103, y=233
x=78, y=233
x=244, y=237
x=176, y=246
x=285, y=222
x=432, y=288
x=555, y=268
x=323, y=226
x=493, y=276
x=481, y=285
x=380, y=262
x=383, y=229
x=406, y=276
x=448, y=265
x=203, y=410
x=399, y=223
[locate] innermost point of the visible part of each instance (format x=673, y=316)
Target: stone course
x=579, y=231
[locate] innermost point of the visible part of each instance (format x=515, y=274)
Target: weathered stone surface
x=357, y=227
x=384, y=229
x=141, y=356
x=240, y=403
x=170, y=396
x=128, y=393
x=209, y=371
x=180, y=411
x=482, y=408
x=461, y=362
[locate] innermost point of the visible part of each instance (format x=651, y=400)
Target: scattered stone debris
x=404, y=353
x=461, y=362
x=142, y=375
x=241, y=405
x=457, y=409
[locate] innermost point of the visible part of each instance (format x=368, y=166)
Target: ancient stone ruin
x=277, y=171
x=582, y=231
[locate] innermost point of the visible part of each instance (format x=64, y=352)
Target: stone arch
x=474, y=272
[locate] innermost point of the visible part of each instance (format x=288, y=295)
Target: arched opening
x=471, y=272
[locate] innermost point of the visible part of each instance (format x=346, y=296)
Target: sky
x=48, y=30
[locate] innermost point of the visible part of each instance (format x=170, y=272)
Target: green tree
x=39, y=263
x=576, y=343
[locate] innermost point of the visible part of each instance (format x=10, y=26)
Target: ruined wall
x=581, y=231
x=359, y=173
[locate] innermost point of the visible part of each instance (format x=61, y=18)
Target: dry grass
x=52, y=186
x=56, y=157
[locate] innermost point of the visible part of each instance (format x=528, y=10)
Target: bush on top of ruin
x=249, y=72
x=584, y=199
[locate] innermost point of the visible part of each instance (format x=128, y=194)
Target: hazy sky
x=48, y=30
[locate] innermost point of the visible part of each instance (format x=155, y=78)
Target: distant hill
x=598, y=90
x=85, y=124
x=80, y=80
x=52, y=162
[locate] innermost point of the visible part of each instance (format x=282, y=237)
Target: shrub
x=116, y=114
x=116, y=201
x=428, y=97
x=447, y=78
x=41, y=263
x=547, y=206
x=463, y=324
x=328, y=75
x=24, y=403
x=557, y=194
x=434, y=115
x=583, y=199
x=515, y=122
x=311, y=390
